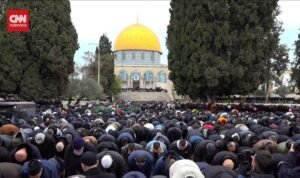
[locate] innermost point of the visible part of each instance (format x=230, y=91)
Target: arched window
x=123, y=75
x=162, y=77
x=148, y=76
x=135, y=75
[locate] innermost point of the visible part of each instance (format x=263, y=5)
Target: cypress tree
x=37, y=64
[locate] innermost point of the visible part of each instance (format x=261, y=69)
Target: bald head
x=228, y=163
x=21, y=155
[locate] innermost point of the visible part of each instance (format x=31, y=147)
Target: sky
x=93, y=18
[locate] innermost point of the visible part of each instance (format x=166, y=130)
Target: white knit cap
x=149, y=126
x=39, y=138
x=106, y=161
x=184, y=168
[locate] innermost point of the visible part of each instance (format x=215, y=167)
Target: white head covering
x=106, y=161
x=39, y=138
x=184, y=168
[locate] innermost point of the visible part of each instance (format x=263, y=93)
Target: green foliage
x=219, y=47
x=282, y=91
x=117, y=86
x=106, y=65
x=86, y=88
x=37, y=64
x=296, y=64
x=279, y=62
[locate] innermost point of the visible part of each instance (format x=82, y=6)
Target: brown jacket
x=267, y=145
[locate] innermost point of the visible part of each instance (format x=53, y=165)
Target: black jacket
x=260, y=175
x=186, y=153
x=221, y=156
x=32, y=153
x=46, y=148
x=72, y=161
x=124, y=150
x=118, y=167
x=96, y=173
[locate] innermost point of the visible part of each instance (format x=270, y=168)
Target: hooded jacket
x=32, y=153
x=72, y=161
x=161, y=165
x=46, y=148
x=145, y=169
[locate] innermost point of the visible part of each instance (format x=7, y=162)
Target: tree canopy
x=37, y=64
x=296, y=64
x=85, y=88
x=107, y=77
x=219, y=47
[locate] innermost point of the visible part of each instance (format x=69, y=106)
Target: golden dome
x=137, y=37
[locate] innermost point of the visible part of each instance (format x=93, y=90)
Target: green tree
x=275, y=67
x=219, y=47
x=86, y=88
x=107, y=76
x=296, y=64
x=37, y=64
x=279, y=59
x=282, y=91
x=117, y=86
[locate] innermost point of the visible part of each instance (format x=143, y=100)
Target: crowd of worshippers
x=157, y=141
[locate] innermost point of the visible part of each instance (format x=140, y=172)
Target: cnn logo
x=18, y=20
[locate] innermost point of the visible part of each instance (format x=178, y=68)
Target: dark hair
x=182, y=142
x=34, y=167
x=297, y=146
x=211, y=150
x=264, y=161
x=156, y=145
x=131, y=146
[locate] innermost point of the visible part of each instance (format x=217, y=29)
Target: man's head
x=88, y=160
x=182, y=144
x=21, y=155
x=35, y=168
x=263, y=162
x=231, y=146
x=140, y=161
x=130, y=148
x=228, y=163
x=78, y=146
x=156, y=148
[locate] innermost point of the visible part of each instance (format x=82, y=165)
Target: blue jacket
x=50, y=169
x=290, y=168
x=125, y=135
x=147, y=168
x=160, y=167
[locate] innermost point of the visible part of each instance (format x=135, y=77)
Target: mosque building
x=138, y=59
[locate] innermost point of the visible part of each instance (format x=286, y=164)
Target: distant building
x=138, y=59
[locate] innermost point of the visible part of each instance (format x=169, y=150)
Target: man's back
x=97, y=173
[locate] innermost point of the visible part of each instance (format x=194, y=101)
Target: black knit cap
x=34, y=167
x=89, y=158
